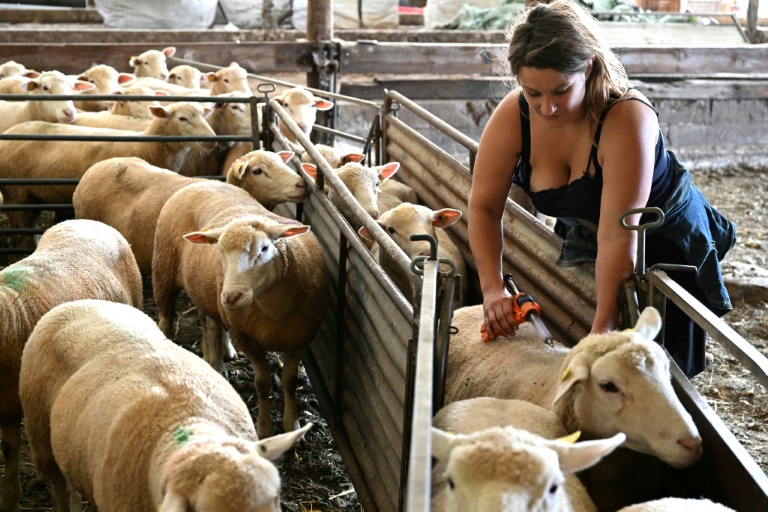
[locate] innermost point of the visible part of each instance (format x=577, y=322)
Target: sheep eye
x=226, y=80
x=183, y=119
x=451, y=484
x=257, y=171
x=609, y=387
x=45, y=87
x=146, y=63
x=264, y=248
x=391, y=230
x=553, y=489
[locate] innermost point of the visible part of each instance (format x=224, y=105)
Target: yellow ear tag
x=566, y=373
x=570, y=438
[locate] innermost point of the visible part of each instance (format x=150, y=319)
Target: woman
x=585, y=145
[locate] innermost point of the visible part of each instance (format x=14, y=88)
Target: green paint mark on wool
x=181, y=435
x=14, y=277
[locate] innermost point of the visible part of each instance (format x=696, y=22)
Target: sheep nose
x=231, y=298
x=692, y=444
x=69, y=115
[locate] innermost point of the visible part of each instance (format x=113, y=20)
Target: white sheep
x=121, y=415
x=393, y=193
x=509, y=455
x=185, y=76
x=362, y=182
x=333, y=156
x=228, y=79
x=409, y=219
x=227, y=118
x=59, y=111
x=152, y=63
x=14, y=85
x=106, y=80
x=141, y=189
x=136, y=108
x=268, y=286
x=74, y=260
x=114, y=121
x=608, y=383
x=302, y=106
x=678, y=505
x=172, y=89
x=13, y=68
x=70, y=159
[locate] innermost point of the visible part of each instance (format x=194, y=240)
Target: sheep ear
x=363, y=232
x=352, y=157
x=273, y=447
x=285, y=155
x=210, y=76
x=81, y=86
x=323, y=104
x=31, y=85
x=32, y=74
x=169, y=51
x=204, y=237
x=207, y=112
x=125, y=78
x=133, y=61
x=286, y=231
x=578, y=456
x=239, y=169
x=158, y=111
x=173, y=502
x=649, y=323
x=576, y=372
x=387, y=170
x=445, y=217
x=442, y=444
x=310, y=169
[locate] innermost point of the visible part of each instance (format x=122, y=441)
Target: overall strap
x=525, y=125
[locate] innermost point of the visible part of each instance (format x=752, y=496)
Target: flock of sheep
x=117, y=413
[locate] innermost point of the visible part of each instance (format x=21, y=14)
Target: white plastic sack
x=346, y=14
x=440, y=12
x=248, y=13
x=168, y=14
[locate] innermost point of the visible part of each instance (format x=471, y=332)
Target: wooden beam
x=51, y=16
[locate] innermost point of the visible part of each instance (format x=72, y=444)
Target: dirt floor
x=314, y=476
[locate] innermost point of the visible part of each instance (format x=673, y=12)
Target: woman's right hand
x=498, y=315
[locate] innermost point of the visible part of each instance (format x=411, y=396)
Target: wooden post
x=320, y=20
x=752, y=33
x=325, y=59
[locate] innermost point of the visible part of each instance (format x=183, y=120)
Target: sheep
x=266, y=285
x=608, y=383
x=97, y=377
x=302, y=106
x=158, y=84
x=677, y=505
x=61, y=111
x=362, y=182
x=333, y=156
x=393, y=193
x=14, y=85
x=228, y=79
x=412, y=219
x=226, y=119
x=136, y=108
x=113, y=121
x=141, y=189
x=185, y=76
x=498, y=442
x=106, y=80
x=13, y=68
x=152, y=63
x=73, y=260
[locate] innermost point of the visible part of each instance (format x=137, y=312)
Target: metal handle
x=641, y=229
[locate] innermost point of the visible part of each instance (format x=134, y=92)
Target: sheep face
x=231, y=78
x=185, y=76
x=265, y=176
x=54, y=82
x=136, y=108
x=231, y=118
x=409, y=219
x=105, y=80
x=11, y=68
x=302, y=106
x=186, y=119
x=152, y=63
x=251, y=258
x=613, y=376
x=511, y=469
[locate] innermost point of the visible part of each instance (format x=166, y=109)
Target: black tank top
x=581, y=197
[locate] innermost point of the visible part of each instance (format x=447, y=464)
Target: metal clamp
x=432, y=256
